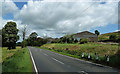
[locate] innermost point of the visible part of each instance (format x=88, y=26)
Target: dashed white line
x=83, y=72
x=33, y=62
x=45, y=54
x=57, y=60
x=81, y=60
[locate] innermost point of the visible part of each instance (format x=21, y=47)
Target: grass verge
x=19, y=61
x=75, y=50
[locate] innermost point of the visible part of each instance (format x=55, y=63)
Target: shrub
x=84, y=40
x=59, y=50
x=24, y=44
x=112, y=37
x=75, y=41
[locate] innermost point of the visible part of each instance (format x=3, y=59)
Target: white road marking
x=81, y=60
x=45, y=54
x=83, y=72
x=33, y=62
x=57, y=60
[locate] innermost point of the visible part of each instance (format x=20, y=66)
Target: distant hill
x=106, y=35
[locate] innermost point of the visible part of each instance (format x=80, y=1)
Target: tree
x=112, y=37
x=24, y=34
x=9, y=35
x=75, y=41
x=24, y=43
x=33, y=38
x=83, y=40
x=97, y=32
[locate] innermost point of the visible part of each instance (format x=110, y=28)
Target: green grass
x=75, y=50
x=106, y=35
x=16, y=60
x=8, y=53
x=101, y=49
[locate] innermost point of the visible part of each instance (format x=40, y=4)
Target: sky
x=56, y=19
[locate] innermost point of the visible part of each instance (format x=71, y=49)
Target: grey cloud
x=56, y=18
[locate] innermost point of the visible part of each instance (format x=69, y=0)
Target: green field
x=75, y=50
x=107, y=35
x=16, y=60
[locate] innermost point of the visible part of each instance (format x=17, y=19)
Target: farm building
x=85, y=34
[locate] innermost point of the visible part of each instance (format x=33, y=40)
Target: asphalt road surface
x=47, y=61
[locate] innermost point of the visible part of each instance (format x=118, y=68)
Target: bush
x=75, y=41
x=82, y=41
x=112, y=37
x=24, y=44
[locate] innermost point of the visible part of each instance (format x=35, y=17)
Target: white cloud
x=5, y=8
x=9, y=7
x=69, y=17
x=55, y=18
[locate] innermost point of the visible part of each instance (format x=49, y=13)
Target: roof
x=85, y=32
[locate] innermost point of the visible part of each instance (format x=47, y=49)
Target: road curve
x=47, y=61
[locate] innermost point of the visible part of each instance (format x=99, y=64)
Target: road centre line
x=80, y=60
x=57, y=60
x=83, y=72
x=45, y=54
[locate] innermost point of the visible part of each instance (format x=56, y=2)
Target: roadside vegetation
x=110, y=37
x=8, y=53
x=16, y=60
x=94, y=49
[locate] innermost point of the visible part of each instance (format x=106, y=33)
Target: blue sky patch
x=20, y=4
x=102, y=2
x=8, y=16
x=106, y=29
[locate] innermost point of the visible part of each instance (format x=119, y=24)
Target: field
x=76, y=50
x=16, y=60
x=106, y=36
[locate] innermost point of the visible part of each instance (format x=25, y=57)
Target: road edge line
x=33, y=61
x=82, y=60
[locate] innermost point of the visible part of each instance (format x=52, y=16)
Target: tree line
x=10, y=37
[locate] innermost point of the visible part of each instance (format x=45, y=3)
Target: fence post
x=88, y=56
x=97, y=58
x=83, y=55
x=108, y=59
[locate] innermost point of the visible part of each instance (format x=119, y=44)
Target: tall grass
x=76, y=50
x=19, y=62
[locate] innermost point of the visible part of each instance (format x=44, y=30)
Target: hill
x=106, y=36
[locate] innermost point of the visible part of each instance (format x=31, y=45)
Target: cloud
x=6, y=8
x=9, y=7
x=58, y=18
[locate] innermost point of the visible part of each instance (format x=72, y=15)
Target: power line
x=82, y=11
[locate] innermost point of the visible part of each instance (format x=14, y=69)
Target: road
x=47, y=61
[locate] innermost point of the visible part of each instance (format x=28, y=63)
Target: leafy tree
x=24, y=43
x=84, y=40
x=112, y=37
x=63, y=39
x=97, y=32
x=33, y=38
x=67, y=38
x=75, y=41
x=18, y=43
x=9, y=35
